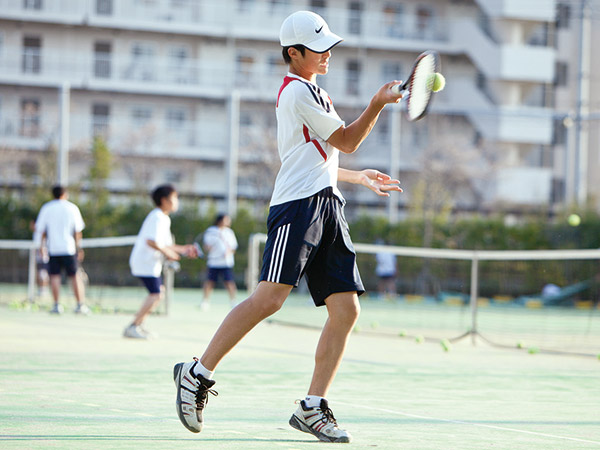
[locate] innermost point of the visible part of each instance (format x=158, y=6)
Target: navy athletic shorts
x=310, y=237
x=153, y=284
x=215, y=272
x=67, y=262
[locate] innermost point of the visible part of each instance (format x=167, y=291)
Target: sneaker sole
x=300, y=426
x=177, y=379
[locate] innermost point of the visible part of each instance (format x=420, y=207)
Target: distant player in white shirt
x=59, y=225
x=153, y=245
x=307, y=232
x=220, y=245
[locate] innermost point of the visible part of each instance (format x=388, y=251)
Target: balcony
x=504, y=62
x=382, y=28
x=519, y=9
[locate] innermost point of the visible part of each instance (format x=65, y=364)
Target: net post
x=31, y=274
x=474, y=295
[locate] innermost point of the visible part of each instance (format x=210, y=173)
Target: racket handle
x=398, y=89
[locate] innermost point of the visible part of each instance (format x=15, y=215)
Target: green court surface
x=71, y=382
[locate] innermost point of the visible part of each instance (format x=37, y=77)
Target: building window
x=279, y=6
x=142, y=62
x=102, y=60
x=424, y=22
x=391, y=70
x=392, y=20
x=245, y=5
x=563, y=15
x=319, y=7
x=32, y=54
x=179, y=65
x=141, y=116
x=276, y=66
x=352, y=77
x=30, y=117
x=561, y=73
x=354, y=16
x=244, y=69
x=104, y=7
x=32, y=4
x=100, y=119
x=176, y=118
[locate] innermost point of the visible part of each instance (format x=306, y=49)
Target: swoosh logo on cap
x=319, y=30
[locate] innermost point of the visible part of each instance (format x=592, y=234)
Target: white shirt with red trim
x=306, y=118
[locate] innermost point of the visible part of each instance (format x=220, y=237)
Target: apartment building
x=184, y=91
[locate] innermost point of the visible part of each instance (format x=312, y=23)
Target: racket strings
x=421, y=86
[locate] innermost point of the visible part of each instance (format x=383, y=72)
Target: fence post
x=474, y=295
x=31, y=275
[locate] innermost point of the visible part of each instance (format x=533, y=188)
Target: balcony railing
x=226, y=18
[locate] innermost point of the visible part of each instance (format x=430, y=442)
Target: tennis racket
x=420, y=84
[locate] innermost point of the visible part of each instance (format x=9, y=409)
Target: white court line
x=495, y=427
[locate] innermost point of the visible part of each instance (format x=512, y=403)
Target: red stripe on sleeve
x=314, y=141
x=286, y=81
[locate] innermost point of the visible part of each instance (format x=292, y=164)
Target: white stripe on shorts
x=278, y=253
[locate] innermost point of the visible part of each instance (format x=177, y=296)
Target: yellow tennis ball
x=439, y=82
x=574, y=220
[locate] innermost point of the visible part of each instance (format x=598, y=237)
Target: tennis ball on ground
x=374, y=324
x=357, y=328
x=520, y=344
x=438, y=82
x=419, y=339
x=534, y=350
x=402, y=333
x=574, y=220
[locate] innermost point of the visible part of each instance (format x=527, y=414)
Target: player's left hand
x=379, y=182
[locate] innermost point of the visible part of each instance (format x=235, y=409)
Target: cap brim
x=325, y=43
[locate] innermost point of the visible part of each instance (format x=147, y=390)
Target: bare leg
x=343, y=309
x=78, y=288
x=230, y=285
x=151, y=301
x=55, y=282
x=264, y=301
x=208, y=288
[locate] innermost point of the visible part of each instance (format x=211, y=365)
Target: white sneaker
x=133, y=331
x=57, y=309
x=192, y=395
x=320, y=422
x=149, y=334
x=82, y=309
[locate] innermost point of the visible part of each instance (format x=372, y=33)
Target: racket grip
x=397, y=89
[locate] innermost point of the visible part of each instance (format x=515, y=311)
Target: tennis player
x=307, y=231
x=154, y=244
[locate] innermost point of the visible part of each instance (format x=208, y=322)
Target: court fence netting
x=533, y=300
x=109, y=285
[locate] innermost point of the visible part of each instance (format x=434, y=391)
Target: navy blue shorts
x=214, y=273
x=153, y=284
x=311, y=237
x=67, y=262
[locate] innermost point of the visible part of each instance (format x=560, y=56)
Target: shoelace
x=202, y=396
x=328, y=416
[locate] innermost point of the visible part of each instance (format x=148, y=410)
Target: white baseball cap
x=308, y=29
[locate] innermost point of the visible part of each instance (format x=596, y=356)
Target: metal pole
x=234, y=140
x=474, y=295
x=395, y=142
x=63, y=148
x=583, y=106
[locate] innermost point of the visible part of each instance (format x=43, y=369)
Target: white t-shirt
x=306, y=118
x=144, y=260
x=60, y=220
x=386, y=264
x=222, y=243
